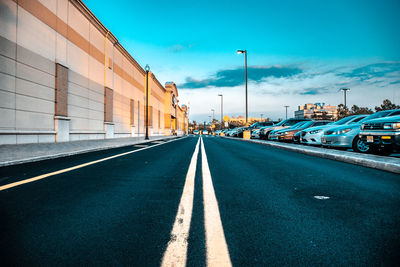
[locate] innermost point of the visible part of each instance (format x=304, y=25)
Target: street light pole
x=213, y=111
x=245, y=70
x=286, y=110
x=261, y=116
x=147, y=69
x=222, y=106
x=345, y=89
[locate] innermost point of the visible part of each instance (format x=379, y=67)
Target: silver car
x=347, y=136
x=312, y=136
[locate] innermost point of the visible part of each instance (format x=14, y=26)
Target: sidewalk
x=23, y=153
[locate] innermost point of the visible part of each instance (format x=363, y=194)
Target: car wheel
x=360, y=146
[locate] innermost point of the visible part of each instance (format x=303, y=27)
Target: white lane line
x=36, y=178
x=217, y=249
x=322, y=197
x=176, y=252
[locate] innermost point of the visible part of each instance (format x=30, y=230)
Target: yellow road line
x=217, y=249
x=36, y=178
x=176, y=252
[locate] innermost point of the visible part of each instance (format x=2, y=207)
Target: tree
x=386, y=105
x=342, y=111
x=356, y=110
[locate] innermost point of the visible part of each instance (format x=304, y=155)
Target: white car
x=312, y=136
x=205, y=132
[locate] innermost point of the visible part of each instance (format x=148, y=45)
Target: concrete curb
x=366, y=160
x=77, y=152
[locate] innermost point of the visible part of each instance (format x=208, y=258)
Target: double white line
x=217, y=249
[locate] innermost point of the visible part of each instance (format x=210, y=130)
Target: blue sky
x=298, y=51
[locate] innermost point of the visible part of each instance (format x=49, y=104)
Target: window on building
x=159, y=119
x=132, y=110
x=138, y=113
x=150, y=116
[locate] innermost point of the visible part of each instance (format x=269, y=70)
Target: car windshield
x=297, y=125
x=343, y=121
x=375, y=116
x=282, y=122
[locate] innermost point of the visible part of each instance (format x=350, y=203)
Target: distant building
x=316, y=111
x=242, y=119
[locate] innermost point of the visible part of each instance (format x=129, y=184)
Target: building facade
x=316, y=111
x=64, y=76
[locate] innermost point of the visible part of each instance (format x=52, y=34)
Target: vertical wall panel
x=61, y=96
x=108, y=104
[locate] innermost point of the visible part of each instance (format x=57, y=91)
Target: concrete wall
x=35, y=35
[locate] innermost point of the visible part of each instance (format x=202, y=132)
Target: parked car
x=347, y=136
x=205, y=132
x=281, y=125
x=312, y=135
x=381, y=135
x=278, y=134
x=288, y=135
x=196, y=132
x=238, y=132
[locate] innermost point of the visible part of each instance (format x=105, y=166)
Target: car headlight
x=315, y=131
x=391, y=125
x=342, y=131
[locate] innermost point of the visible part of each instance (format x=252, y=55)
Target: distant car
x=205, y=132
x=347, y=136
x=288, y=134
x=381, y=135
x=312, y=135
x=281, y=125
x=196, y=132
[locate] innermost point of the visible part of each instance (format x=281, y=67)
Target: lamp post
x=261, y=116
x=345, y=89
x=222, y=106
x=147, y=69
x=213, y=111
x=245, y=70
x=286, y=110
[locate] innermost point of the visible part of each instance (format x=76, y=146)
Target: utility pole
x=245, y=71
x=213, y=111
x=222, y=106
x=286, y=110
x=261, y=116
x=345, y=89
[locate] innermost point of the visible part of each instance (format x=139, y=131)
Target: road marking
x=36, y=178
x=141, y=145
x=322, y=197
x=175, y=254
x=217, y=249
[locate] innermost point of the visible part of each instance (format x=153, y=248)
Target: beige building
x=65, y=77
x=242, y=119
x=317, y=110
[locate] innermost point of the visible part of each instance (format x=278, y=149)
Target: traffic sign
x=226, y=118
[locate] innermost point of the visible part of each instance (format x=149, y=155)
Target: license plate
x=386, y=137
x=370, y=139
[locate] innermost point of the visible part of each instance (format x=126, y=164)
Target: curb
x=366, y=160
x=77, y=152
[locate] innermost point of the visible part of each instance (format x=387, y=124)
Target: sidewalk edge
x=66, y=154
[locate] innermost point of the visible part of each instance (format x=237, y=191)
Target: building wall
x=35, y=36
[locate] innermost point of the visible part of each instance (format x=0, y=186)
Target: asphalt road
x=121, y=211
